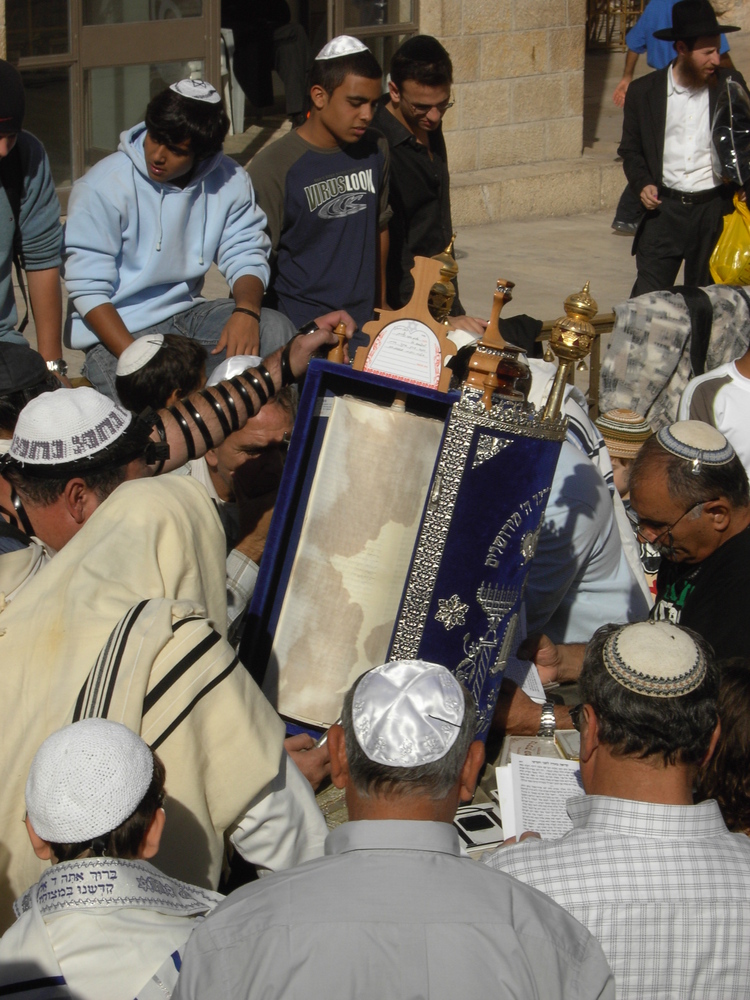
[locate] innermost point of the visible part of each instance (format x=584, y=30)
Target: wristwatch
x=59, y=367
x=547, y=725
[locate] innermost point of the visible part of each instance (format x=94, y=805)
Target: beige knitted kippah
x=655, y=659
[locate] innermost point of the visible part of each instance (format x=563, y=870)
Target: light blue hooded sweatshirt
x=146, y=246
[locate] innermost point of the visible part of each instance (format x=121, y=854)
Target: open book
x=533, y=792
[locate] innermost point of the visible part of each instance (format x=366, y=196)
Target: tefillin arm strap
x=187, y=416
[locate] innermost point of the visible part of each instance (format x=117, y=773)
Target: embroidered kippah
x=341, y=45
x=86, y=779
x=233, y=366
x=67, y=425
x=696, y=442
x=624, y=431
x=196, y=90
x=407, y=713
x=139, y=353
x=655, y=659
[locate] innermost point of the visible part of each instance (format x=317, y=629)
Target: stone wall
x=518, y=79
x=3, y=47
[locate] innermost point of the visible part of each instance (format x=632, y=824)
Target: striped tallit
x=127, y=622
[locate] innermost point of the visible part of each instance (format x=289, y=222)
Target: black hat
x=12, y=100
x=20, y=368
x=693, y=19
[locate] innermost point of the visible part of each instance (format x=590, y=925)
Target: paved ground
x=547, y=259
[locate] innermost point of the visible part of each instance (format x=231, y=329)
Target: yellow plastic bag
x=730, y=261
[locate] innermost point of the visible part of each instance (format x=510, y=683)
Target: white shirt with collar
x=686, y=164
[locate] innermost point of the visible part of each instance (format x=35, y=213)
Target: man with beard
x=666, y=151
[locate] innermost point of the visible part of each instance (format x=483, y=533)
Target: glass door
x=90, y=67
x=382, y=24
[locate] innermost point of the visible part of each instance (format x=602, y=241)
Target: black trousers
x=675, y=232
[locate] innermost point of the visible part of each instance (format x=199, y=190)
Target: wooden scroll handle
x=336, y=353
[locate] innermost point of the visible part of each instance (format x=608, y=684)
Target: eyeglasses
x=639, y=524
x=420, y=110
x=575, y=716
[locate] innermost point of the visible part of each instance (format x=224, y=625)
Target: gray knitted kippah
x=655, y=659
x=696, y=442
x=86, y=779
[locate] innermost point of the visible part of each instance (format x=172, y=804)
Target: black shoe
x=624, y=228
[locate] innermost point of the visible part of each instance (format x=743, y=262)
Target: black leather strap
x=244, y=393
x=200, y=423
x=218, y=409
x=256, y=384
x=247, y=312
x=227, y=397
x=266, y=376
x=186, y=432
x=287, y=377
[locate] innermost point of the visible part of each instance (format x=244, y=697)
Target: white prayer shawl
x=127, y=622
x=83, y=901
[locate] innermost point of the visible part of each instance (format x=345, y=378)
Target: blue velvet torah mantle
x=479, y=531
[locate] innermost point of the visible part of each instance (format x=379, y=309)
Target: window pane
x=384, y=47
x=124, y=11
x=48, y=117
x=116, y=99
x=36, y=28
x=370, y=13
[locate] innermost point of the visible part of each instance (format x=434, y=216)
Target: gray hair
x=434, y=780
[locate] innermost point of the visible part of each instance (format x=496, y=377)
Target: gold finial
x=443, y=292
x=495, y=365
x=571, y=339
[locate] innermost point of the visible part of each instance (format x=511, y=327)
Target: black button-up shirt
x=421, y=204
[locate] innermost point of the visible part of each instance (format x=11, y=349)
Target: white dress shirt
x=686, y=165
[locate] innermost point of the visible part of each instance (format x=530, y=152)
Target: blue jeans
x=204, y=323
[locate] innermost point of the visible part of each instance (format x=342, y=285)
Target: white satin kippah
x=233, y=366
x=407, y=713
x=341, y=45
x=86, y=779
x=139, y=353
x=196, y=90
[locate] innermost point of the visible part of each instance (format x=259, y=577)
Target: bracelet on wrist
x=247, y=312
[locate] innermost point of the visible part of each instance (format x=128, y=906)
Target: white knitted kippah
x=196, y=90
x=139, y=353
x=341, y=45
x=233, y=366
x=86, y=779
x=66, y=426
x=407, y=713
x=655, y=659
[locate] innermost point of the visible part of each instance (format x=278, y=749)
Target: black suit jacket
x=642, y=143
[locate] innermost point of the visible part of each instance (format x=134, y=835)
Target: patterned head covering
x=655, y=659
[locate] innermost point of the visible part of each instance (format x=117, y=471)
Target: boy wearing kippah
x=102, y=922
x=324, y=189
x=144, y=226
x=159, y=370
